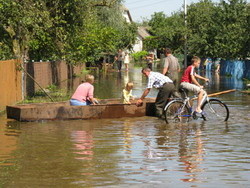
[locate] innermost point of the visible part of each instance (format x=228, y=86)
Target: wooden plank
x=218, y=93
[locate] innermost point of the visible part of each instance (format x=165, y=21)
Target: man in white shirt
x=165, y=86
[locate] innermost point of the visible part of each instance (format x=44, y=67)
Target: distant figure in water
x=126, y=60
x=127, y=93
x=84, y=94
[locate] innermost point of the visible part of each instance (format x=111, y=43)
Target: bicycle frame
x=181, y=108
x=186, y=102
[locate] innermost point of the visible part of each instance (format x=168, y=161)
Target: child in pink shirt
x=84, y=94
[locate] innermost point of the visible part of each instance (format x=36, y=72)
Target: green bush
x=138, y=56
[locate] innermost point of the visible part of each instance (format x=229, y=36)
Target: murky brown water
x=134, y=152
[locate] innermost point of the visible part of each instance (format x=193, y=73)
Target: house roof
x=126, y=11
x=142, y=31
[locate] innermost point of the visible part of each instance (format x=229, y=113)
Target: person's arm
x=178, y=65
x=165, y=69
x=145, y=93
x=93, y=100
x=91, y=96
x=202, y=78
x=194, y=80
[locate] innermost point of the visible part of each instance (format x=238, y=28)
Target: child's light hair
x=195, y=59
x=129, y=85
x=89, y=78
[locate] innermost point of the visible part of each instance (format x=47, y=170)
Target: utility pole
x=185, y=37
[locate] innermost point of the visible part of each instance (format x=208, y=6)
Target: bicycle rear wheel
x=176, y=111
x=215, y=110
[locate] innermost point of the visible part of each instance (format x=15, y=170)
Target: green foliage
x=168, y=31
x=218, y=30
x=213, y=30
x=200, y=28
x=151, y=42
x=138, y=56
x=78, y=31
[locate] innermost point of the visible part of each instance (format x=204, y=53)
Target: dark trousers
x=174, y=76
x=119, y=65
x=162, y=97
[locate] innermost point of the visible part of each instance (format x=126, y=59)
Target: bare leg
x=199, y=99
x=126, y=66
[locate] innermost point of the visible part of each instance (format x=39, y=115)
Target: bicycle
x=180, y=109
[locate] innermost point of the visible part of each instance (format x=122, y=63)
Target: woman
x=84, y=94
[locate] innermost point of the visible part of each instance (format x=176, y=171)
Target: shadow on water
x=129, y=151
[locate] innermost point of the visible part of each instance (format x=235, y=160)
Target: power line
x=137, y=2
x=148, y=5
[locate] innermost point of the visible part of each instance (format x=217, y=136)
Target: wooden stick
x=37, y=83
x=218, y=93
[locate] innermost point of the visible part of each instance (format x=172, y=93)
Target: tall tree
x=21, y=20
x=201, y=29
x=168, y=31
x=232, y=27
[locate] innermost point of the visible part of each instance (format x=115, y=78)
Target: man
x=163, y=83
x=171, y=66
x=120, y=58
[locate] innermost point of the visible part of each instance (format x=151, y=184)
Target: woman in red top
x=189, y=81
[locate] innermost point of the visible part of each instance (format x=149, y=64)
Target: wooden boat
x=108, y=108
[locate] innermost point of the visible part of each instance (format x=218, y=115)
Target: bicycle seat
x=184, y=92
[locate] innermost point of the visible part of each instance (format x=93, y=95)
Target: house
x=142, y=32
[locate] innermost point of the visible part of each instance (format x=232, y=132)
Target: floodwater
x=135, y=152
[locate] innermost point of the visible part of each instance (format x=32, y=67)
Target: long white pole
x=185, y=37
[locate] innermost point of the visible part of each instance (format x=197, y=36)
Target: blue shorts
x=74, y=102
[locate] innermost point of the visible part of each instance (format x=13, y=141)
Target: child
x=189, y=82
x=126, y=60
x=127, y=93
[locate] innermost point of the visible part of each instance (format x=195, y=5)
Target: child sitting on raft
x=127, y=93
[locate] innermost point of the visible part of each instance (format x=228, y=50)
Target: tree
x=21, y=20
x=232, y=21
x=168, y=31
x=76, y=30
x=201, y=28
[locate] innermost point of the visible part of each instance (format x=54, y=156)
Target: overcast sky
x=145, y=8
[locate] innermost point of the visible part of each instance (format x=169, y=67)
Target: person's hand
x=95, y=101
x=139, y=103
x=201, y=87
x=206, y=80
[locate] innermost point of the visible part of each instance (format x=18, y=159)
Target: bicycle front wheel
x=177, y=111
x=215, y=110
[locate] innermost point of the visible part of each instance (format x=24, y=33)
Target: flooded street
x=134, y=152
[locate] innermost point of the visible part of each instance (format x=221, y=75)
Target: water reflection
x=127, y=132
x=191, y=152
x=83, y=144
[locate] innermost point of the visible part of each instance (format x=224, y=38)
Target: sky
x=140, y=9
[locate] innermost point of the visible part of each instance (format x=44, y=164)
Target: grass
x=40, y=96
